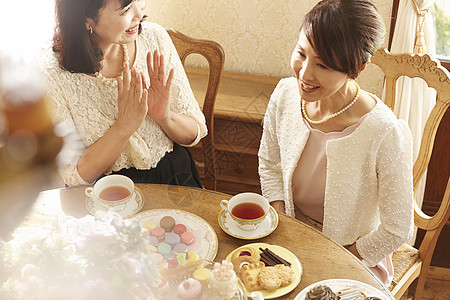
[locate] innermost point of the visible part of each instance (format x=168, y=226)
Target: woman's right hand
x=132, y=109
x=132, y=100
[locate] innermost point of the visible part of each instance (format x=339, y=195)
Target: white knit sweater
x=83, y=102
x=369, y=191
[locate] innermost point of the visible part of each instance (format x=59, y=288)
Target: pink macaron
x=179, y=229
x=187, y=238
x=159, y=233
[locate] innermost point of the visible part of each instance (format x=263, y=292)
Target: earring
x=90, y=29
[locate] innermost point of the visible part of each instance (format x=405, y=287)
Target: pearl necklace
x=112, y=82
x=305, y=114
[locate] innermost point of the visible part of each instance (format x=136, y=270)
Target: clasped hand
x=136, y=100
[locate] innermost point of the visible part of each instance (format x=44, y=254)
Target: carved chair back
x=215, y=56
x=410, y=263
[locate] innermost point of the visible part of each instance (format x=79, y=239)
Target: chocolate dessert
x=320, y=292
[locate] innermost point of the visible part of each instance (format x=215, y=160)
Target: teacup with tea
x=113, y=191
x=248, y=210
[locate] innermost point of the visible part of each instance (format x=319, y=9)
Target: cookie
x=251, y=254
x=249, y=276
x=350, y=293
x=243, y=255
x=286, y=274
x=269, y=279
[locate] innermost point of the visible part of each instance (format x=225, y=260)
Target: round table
x=320, y=257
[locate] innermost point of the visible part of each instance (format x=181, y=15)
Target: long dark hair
x=71, y=40
x=344, y=33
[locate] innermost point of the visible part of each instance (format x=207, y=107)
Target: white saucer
x=266, y=227
x=130, y=209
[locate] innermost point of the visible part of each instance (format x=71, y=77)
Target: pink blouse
x=309, y=178
x=308, y=188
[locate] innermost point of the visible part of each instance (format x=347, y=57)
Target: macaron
x=164, y=249
x=202, y=275
x=159, y=233
x=153, y=240
x=179, y=229
x=191, y=256
x=179, y=248
x=150, y=225
x=150, y=248
x=182, y=258
x=167, y=223
x=172, y=262
x=187, y=238
x=172, y=239
x=159, y=259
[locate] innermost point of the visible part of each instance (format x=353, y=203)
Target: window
x=441, y=16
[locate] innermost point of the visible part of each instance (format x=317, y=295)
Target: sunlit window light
x=26, y=26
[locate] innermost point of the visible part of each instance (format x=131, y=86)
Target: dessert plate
x=125, y=211
x=287, y=255
x=266, y=227
x=337, y=285
x=206, y=242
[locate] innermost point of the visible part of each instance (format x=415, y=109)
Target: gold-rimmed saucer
x=266, y=227
x=125, y=211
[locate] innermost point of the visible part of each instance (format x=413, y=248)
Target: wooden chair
x=215, y=56
x=411, y=263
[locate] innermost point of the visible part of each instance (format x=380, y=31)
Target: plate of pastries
x=342, y=289
x=270, y=269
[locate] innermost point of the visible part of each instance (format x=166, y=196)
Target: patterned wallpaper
x=258, y=36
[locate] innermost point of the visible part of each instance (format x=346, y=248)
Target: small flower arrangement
x=101, y=257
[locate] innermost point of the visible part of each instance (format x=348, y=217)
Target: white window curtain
x=415, y=98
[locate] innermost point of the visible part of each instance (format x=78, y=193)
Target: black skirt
x=175, y=168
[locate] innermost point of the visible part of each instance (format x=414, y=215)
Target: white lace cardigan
x=91, y=107
x=369, y=191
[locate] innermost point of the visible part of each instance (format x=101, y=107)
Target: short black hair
x=344, y=33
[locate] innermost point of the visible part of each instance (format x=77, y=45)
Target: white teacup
x=248, y=210
x=113, y=191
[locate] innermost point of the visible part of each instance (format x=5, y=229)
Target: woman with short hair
x=335, y=156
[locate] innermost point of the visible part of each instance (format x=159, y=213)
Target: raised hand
x=132, y=100
x=158, y=92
